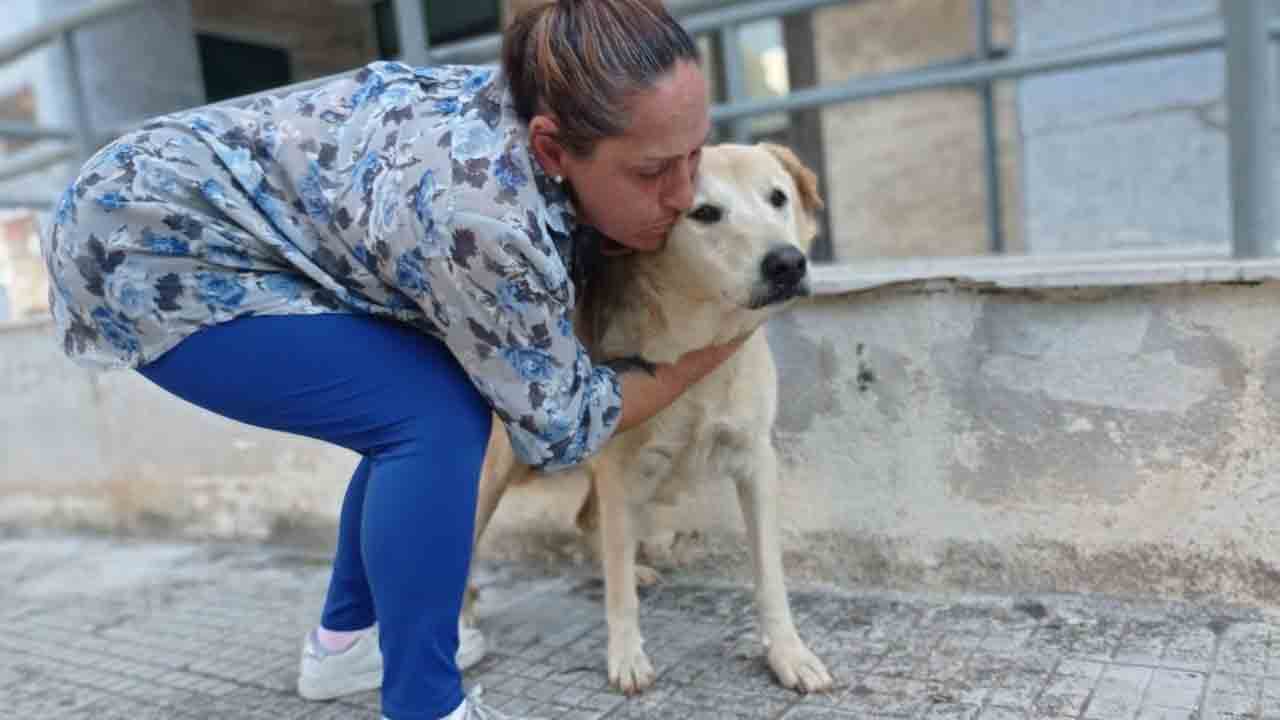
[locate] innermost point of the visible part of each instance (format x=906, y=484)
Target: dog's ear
x=806, y=184
x=806, y=180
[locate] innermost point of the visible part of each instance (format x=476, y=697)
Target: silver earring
x=559, y=179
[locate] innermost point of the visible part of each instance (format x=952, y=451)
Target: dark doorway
x=232, y=68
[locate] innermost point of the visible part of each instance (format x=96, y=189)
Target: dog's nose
x=784, y=266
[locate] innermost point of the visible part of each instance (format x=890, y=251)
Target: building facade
x=1118, y=157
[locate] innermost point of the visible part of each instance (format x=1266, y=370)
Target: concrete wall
x=935, y=434
x=1126, y=156
x=110, y=451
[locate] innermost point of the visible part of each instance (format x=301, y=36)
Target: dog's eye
x=707, y=214
x=777, y=198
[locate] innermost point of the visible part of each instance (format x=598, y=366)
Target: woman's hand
x=645, y=394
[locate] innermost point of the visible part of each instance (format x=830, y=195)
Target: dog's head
x=745, y=241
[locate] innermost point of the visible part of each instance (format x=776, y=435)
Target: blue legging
x=398, y=398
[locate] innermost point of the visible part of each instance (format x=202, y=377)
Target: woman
x=382, y=262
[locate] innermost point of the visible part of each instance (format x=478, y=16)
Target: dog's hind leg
x=757, y=481
x=500, y=469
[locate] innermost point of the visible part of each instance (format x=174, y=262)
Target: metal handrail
x=33, y=159
x=969, y=74
x=1250, y=87
x=1252, y=205
x=697, y=16
x=45, y=33
x=24, y=202
x=27, y=131
x=80, y=139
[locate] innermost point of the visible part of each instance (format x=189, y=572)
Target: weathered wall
x=934, y=435
x=905, y=173
x=1127, y=156
x=1116, y=440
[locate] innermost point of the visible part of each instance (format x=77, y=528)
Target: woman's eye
x=706, y=214
x=777, y=198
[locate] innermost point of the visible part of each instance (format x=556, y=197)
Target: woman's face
x=635, y=186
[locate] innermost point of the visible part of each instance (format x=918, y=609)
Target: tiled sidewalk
x=110, y=630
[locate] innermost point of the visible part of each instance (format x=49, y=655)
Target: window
x=764, y=64
x=447, y=21
x=232, y=68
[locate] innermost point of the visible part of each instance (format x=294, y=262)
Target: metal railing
x=1245, y=35
x=61, y=31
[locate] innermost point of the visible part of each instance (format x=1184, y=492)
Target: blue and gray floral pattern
x=402, y=192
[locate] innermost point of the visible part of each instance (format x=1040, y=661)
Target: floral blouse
x=401, y=192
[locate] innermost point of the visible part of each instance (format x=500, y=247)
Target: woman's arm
x=494, y=297
x=648, y=389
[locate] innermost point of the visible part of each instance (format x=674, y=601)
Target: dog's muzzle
x=784, y=274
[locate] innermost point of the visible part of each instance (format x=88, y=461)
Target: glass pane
x=764, y=60
x=452, y=21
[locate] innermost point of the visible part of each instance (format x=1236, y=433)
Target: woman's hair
x=580, y=60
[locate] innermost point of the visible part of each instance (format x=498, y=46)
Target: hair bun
x=577, y=60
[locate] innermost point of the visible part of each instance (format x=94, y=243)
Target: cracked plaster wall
x=1125, y=156
x=932, y=435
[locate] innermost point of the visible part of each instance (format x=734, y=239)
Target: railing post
x=411, y=26
x=1250, y=79
x=82, y=127
x=735, y=81
x=990, y=139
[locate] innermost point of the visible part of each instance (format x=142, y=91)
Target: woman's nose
x=678, y=195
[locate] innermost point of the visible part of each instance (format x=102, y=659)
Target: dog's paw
x=629, y=668
x=647, y=576
x=798, y=668
x=469, y=615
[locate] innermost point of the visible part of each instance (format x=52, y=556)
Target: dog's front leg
x=629, y=668
x=794, y=664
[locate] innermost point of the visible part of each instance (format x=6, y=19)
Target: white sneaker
x=471, y=647
x=323, y=675
x=473, y=708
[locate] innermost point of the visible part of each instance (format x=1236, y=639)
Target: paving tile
x=226, y=648
x=1231, y=707
x=1164, y=713
x=1176, y=688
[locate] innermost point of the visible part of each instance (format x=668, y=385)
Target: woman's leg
x=349, y=603
x=397, y=397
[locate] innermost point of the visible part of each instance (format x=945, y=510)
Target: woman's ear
x=550, y=154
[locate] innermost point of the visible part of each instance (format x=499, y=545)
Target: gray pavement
x=106, y=629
